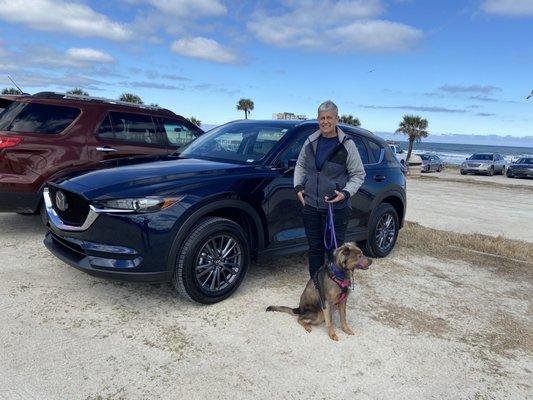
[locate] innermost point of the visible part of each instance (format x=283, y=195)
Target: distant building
x=287, y=115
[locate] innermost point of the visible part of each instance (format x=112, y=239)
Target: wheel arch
x=396, y=200
x=235, y=210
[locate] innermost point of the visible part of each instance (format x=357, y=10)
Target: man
x=328, y=171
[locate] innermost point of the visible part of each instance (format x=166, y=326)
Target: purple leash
x=330, y=226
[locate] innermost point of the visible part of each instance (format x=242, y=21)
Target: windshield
x=481, y=157
x=525, y=161
x=424, y=157
x=239, y=142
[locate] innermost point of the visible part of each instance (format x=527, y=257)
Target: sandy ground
x=426, y=328
x=471, y=208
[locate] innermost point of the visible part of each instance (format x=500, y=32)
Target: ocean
x=455, y=154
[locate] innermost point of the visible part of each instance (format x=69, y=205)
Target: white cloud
x=89, y=55
x=349, y=26
x=189, y=8
x=375, y=35
x=205, y=49
x=62, y=16
x=508, y=7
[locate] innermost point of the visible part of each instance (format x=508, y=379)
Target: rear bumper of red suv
x=19, y=202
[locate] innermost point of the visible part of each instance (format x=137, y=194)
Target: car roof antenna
x=19, y=89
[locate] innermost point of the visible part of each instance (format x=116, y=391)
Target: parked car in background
x=484, y=163
x=196, y=219
x=431, y=162
x=48, y=134
x=521, y=168
x=398, y=152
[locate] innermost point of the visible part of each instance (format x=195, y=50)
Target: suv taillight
x=9, y=141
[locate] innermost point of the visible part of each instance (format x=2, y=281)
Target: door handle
x=379, y=178
x=106, y=149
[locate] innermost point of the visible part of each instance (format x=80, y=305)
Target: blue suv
x=198, y=218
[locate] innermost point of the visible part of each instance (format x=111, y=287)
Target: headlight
x=145, y=204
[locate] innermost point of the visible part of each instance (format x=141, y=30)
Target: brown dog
x=346, y=258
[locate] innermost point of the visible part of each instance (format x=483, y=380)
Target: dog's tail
x=288, y=310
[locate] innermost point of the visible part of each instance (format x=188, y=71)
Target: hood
x=478, y=161
x=521, y=165
x=169, y=175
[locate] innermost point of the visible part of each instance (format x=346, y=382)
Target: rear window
x=37, y=118
x=363, y=152
x=376, y=150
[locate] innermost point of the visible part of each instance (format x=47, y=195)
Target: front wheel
x=463, y=172
x=212, y=261
x=491, y=171
x=382, y=231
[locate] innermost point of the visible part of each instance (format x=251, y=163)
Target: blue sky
x=466, y=66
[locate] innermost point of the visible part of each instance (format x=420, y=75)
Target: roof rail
x=56, y=95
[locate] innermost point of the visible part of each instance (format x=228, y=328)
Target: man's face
x=327, y=120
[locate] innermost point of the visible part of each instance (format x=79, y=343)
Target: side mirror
x=289, y=167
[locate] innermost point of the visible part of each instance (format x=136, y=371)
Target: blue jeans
x=314, y=224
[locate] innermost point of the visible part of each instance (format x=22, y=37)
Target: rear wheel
x=212, y=261
x=502, y=172
x=439, y=168
x=491, y=171
x=382, y=232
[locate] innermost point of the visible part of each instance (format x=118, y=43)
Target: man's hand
x=340, y=197
x=300, y=195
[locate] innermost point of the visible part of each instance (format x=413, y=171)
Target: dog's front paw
x=347, y=330
x=333, y=336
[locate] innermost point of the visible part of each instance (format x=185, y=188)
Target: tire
x=200, y=249
x=502, y=172
x=463, y=172
x=383, y=215
x=491, y=171
x=439, y=168
x=509, y=175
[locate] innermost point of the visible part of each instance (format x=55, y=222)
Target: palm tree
x=415, y=128
x=11, y=91
x=245, y=105
x=78, y=91
x=350, y=120
x=130, y=98
x=195, y=121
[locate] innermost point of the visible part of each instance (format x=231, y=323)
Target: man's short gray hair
x=328, y=106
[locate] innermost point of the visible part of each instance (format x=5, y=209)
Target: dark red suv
x=48, y=134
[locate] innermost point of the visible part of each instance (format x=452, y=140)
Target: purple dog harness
x=339, y=277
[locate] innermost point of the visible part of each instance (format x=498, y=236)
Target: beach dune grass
x=495, y=250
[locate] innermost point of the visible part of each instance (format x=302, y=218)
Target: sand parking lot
x=437, y=319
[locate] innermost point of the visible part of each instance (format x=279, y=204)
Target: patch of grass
x=481, y=249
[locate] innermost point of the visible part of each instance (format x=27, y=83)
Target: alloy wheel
x=385, y=231
x=218, y=263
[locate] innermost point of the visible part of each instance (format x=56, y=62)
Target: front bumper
x=520, y=173
x=482, y=169
x=74, y=254
x=127, y=246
